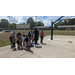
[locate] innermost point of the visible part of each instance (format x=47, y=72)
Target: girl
x=29, y=44
x=13, y=40
x=20, y=40
x=24, y=40
x=41, y=36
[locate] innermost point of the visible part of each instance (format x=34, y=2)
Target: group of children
x=24, y=41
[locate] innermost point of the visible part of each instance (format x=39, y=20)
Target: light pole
x=52, y=27
x=36, y=20
x=9, y=18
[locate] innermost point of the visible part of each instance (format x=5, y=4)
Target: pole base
x=51, y=39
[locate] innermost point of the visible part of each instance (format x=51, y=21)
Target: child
x=24, y=40
x=10, y=38
x=13, y=40
x=33, y=37
x=20, y=40
x=41, y=36
x=17, y=40
x=29, y=44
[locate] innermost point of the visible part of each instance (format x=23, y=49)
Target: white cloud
x=23, y=19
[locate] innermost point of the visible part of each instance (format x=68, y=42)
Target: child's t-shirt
x=29, y=42
x=20, y=39
x=24, y=38
x=41, y=33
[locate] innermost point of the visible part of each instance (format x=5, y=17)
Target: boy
x=26, y=41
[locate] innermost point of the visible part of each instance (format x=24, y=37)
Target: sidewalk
x=59, y=47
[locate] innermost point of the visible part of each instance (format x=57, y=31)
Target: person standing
x=36, y=36
x=41, y=36
x=29, y=35
x=10, y=38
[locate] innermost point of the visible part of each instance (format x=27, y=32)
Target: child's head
x=26, y=36
x=23, y=35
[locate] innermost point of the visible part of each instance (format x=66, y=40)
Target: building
x=43, y=27
x=66, y=27
x=23, y=27
x=2, y=29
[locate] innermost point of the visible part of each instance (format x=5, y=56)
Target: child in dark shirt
x=28, y=43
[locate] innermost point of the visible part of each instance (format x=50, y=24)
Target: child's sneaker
x=35, y=45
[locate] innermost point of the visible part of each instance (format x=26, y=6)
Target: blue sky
x=23, y=19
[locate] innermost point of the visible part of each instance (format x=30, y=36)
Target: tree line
x=69, y=22
x=4, y=23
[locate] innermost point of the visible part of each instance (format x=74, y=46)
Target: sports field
x=4, y=37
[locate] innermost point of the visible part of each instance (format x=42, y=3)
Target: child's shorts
x=23, y=42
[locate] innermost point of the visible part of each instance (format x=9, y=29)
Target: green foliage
x=70, y=22
x=39, y=23
x=4, y=23
x=31, y=22
x=12, y=26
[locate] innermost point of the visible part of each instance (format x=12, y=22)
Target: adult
x=36, y=36
x=41, y=36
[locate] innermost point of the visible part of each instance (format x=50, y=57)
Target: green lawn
x=4, y=37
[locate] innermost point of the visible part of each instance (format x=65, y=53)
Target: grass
x=4, y=37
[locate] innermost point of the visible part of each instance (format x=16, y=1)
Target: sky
x=23, y=19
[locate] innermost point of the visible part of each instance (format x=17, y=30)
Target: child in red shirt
x=41, y=36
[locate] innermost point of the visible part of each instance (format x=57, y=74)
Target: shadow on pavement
x=44, y=44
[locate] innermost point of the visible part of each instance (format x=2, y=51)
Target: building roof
x=66, y=26
x=42, y=27
x=1, y=28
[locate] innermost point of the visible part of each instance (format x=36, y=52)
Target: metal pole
x=9, y=19
x=52, y=30
x=52, y=27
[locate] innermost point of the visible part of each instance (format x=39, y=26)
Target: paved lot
x=60, y=47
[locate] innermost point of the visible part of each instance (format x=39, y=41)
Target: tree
x=12, y=26
x=71, y=21
x=21, y=23
x=39, y=23
x=59, y=23
x=4, y=23
x=31, y=22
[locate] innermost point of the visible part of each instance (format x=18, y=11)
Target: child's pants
x=41, y=39
x=13, y=44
